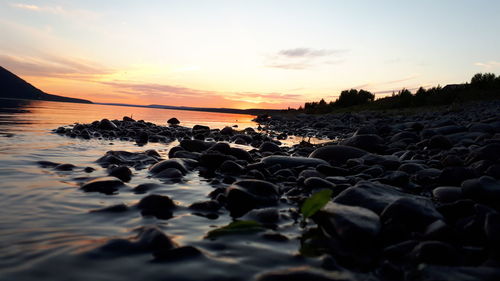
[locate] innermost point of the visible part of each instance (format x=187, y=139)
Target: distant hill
x=13, y=87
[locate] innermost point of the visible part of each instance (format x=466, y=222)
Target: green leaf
x=236, y=227
x=314, y=203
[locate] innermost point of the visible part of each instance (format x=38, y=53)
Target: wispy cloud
x=54, y=66
x=368, y=86
x=489, y=64
x=303, y=58
x=56, y=10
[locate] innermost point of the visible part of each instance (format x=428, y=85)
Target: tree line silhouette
x=481, y=87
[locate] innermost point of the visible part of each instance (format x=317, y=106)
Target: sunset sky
x=245, y=54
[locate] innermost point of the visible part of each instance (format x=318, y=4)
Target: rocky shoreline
x=413, y=196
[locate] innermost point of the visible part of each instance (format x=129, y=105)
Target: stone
x=64, y=167
x=304, y=273
x=159, y=206
x=106, y=185
x=440, y=142
x=245, y=195
x=195, y=145
x=105, y=124
x=167, y=164
x=292, y=162
x=353, y=225
x=269, y=147
x=447, y=194
x=435, y=252
x=318, y=183
x=173, y=121
x=484, y=189
x=177, y=254
x=337, y=153
x=410, y=214
x=121, y=172
x=370, y=143
x=231, y=168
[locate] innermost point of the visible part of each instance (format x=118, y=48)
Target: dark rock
x=159, y=206
x=484, y=189
x=121, y=172
x=206, y=206
x=106, y=185
x=438, y=273
x=488, y=152
x=371, y=143
x=264, y=215
x=227, y=131
x=269, y=147
x=304, y=273
x=241, y=154
x=105, y=124
x=170, y=173
x=435, y=252
x=168, y=164
x=246, y=195
x=232, y=168
x=455, y=175
x=291, y=162
x=353, y=225
x=196, y=145
x=177, y=254
x=145, y=187
x=64, y=167
x=337, y=153
x=120, y=208
x=213, y=159
x=440, y=142
x=318, y=183
x=332, y=171
x=447, y=194
x=173, y=121
x=410, y=214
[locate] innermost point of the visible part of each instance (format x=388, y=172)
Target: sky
x=245, y=54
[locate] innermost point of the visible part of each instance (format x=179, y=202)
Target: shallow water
x=47, y=231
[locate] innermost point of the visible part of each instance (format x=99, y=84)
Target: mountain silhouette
x=13, y=87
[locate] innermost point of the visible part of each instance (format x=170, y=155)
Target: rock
x=228, y=131
x=196, y=145
x=373, y=196
x=241, y=154
x=168, y=164
x=371, y=143
x=145, y=187
x=170, y=173
x=264, y=215
x=492, y=231
x=269, y=147
x=177, y=254
x=332, y=171
x=231, y=168
x=410, y=214
x=354, y=225
x=447, y=194
x=411, y=168
x=337, y=153
x=245, y=195
x=210, y=206
x=159, y=206
x=303, y=274
x=291, y=162
x=318, y=183
x=455, y=175
x=105, y=124
x=488, y=152
x=64, y=167
x=119, y=208
x=128, y=119
x=428, y=272
x=173, y=121
x=484, y=189
x=440, y=142
x=121, y=172
x=435, y=252
x=213, y=159
x=106, y=185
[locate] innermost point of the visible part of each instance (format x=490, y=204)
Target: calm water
x=45, y=225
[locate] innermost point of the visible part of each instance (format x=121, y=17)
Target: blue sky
x=245, y=53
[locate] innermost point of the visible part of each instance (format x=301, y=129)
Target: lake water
x=47, y=231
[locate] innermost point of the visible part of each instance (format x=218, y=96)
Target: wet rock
x=214, y=159
x=318, y=183
x=291, y=162
x=241, y=154
x=64, y=167
x=427, y=272
x=440, y=142
x=332, y=171
x=162, y=166
x=246, y=195
x=304, y=273
x=211, y=206
x=354, y=225
x=484, y=189
x=370, y=143
x=447, y=194
x=409, y=214
x=119, y=208
x=145, y=187
x=455, y=175
x=105, y=124
x=121, y=172
x=231, y=168
x=488, y=152
x=337, y=153
x=170, y=173
x=159, y=206
x=228, y=131
x=269, y=147
x=264, y=215
x=177, y=254
x=435, y=252
x=196, y=145
x=106, y=185
x=173, y=121
x=128, y=158
x=373, y=196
